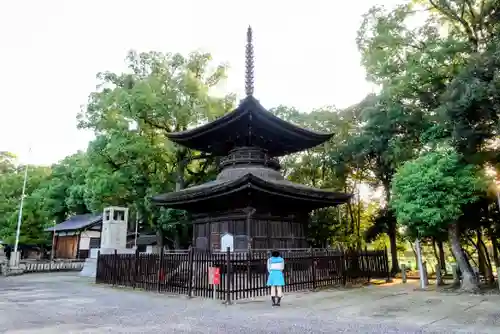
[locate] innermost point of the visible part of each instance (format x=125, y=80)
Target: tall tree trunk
x=179, y=185
x=394, y=250
x=481, y=260
x=488, y=265
x=177, y=243
x=494, y=245
x=442, y=258
x=346, y=234
x=469, y=282
x=415, y=255
x=470, y=259
x=484, y=262
x=160, y=241
x=358, y=223
x=179, y=174
x=391, y=230
x=434, y=249
x=351, y=216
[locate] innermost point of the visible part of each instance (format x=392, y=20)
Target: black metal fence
x=242, y=274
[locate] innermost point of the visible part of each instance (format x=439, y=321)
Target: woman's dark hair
x=275, y=253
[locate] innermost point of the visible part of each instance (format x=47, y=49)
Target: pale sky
x=51, y=50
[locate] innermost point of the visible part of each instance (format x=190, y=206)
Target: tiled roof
x=144, y=239
x=77, y=222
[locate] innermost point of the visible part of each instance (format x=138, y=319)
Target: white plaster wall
x=114, y=235
x=85, y=238
x=64, y=234
x=152, y=249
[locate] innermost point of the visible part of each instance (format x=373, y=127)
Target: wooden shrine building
x=75, y=237
x=250, y=198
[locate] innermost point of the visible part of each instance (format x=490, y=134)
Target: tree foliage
x=430, y=192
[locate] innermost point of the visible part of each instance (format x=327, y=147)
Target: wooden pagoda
x=250, y=198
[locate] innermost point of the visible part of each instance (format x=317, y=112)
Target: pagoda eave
x=249, y=125
x=280, y=191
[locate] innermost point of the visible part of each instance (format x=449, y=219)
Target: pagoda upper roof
x=250, y=124
x=280, y=190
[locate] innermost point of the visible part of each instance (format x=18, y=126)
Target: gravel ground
x=64, y=303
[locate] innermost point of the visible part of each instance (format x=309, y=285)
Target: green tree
x=429, y=194
x=7, y=162
x=64, y=192
x=387, y=136
x=325, y=167
x=424, y=92
x=131, y=115
x=34, y=218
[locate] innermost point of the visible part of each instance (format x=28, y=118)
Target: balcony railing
x=249, y=156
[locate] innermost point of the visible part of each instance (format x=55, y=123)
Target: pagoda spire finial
x=249, y=64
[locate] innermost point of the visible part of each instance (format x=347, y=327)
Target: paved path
x=64, y=303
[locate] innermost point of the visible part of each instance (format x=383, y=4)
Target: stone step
x=89, y=268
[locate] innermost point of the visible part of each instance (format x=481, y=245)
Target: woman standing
x=276, y=280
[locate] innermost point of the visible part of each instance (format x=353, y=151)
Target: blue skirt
x=276, y=278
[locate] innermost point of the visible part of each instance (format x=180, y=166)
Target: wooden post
x=115, y=267
x=136, y=267
x=228, y=276
x=78, y=238
x=386, y=260
x=190, y=271
x=97, y=267
x=403, y=273
x=249, y=270
x=344, y=267
x=313, y=268
x=368, y=262
x=160, y=271
x=53, y=249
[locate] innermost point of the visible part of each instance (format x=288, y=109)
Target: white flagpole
x=20, y=216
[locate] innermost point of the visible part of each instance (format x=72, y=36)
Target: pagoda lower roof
x=250, y=124
x=281, y=190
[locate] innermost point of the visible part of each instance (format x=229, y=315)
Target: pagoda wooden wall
x=267, y=230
